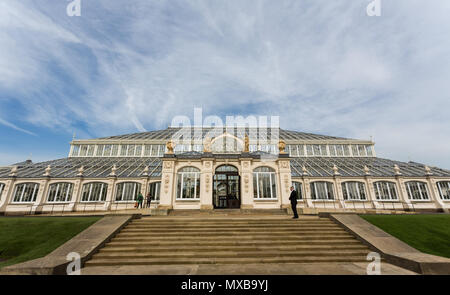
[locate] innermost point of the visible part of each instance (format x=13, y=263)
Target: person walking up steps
x=293, y=199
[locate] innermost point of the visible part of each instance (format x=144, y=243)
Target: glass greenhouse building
x=222, y=168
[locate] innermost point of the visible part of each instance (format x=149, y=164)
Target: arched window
x=322, y=190
x=155, y=190
x=354, y=190
x=417, y=190
x=94, y=192
x=2, y=186
x=264, y=183
x=60, y=192
x=188, y=183
x=226, y=168
x=385, y=190
x=298, y=186
x=444, y=189
x=26, y=192
x=127, y=191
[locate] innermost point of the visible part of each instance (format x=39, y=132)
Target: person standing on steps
x=140, y=200
x=149, y=200
x=293, y=199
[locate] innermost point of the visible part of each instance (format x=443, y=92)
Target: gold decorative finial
x=170, y=145
x=282, y=146
x=246, y=144
x=207, y=145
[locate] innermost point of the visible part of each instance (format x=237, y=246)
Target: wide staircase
x=230, y=240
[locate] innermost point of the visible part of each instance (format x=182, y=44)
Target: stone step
x=256, y=243
x=233, y=238
x=111, y=248
x=228, y=227
x=230, y=254
x=287, y=220
x=181, y=234
x=235, y=260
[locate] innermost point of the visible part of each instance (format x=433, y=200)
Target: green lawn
x=26, y=238
x=428, y=233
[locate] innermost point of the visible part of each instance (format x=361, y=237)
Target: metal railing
x=322, y=205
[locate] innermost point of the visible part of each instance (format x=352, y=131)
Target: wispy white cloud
x=15, y=127
x=323, y=66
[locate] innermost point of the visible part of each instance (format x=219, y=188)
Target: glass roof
x=253, y=133
x=95, y=167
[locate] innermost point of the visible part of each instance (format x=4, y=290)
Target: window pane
x=138, y=152
x=332, y=149
x=385, y=190
x=99, y=152
x=298, y=188
x=346, y=150
x=130, y=151
x=94, y=192
x=26, y=192
x=123, y=150
x=2, y=186
x=60, y=192
x=115, y=150
x=128, y=191
x=155, y=190
x=444, y=190
x=353, y=190
x=107, y=150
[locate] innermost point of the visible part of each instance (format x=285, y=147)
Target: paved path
x=249, y=269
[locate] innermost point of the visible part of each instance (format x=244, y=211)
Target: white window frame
x=91, y=184
x=157, y=185
x=256, y=176
x=376, y=186
x=346, y=184
x=2, y=187
x=197, y=178
x=68, y=196
x=33, y=195
x=136, y=186
x=300, y=190
x=410, y=194
x=326, y=191
x=441, y=195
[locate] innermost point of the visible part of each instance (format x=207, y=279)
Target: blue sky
x=322, y=66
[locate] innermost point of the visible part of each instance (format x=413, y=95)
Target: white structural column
x=7, y=193
x=168, y=189
x=76, y=197
x=435, y=196
x=403, y=194
x=111, y=192
x=284, y=169
x=206, y=187
x=246, y=183
x=339, y=195
x=40, y=199
x=371, y=193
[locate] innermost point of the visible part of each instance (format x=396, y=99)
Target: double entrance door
x=226, y=191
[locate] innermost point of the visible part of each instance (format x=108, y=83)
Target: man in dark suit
x=293, y=199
